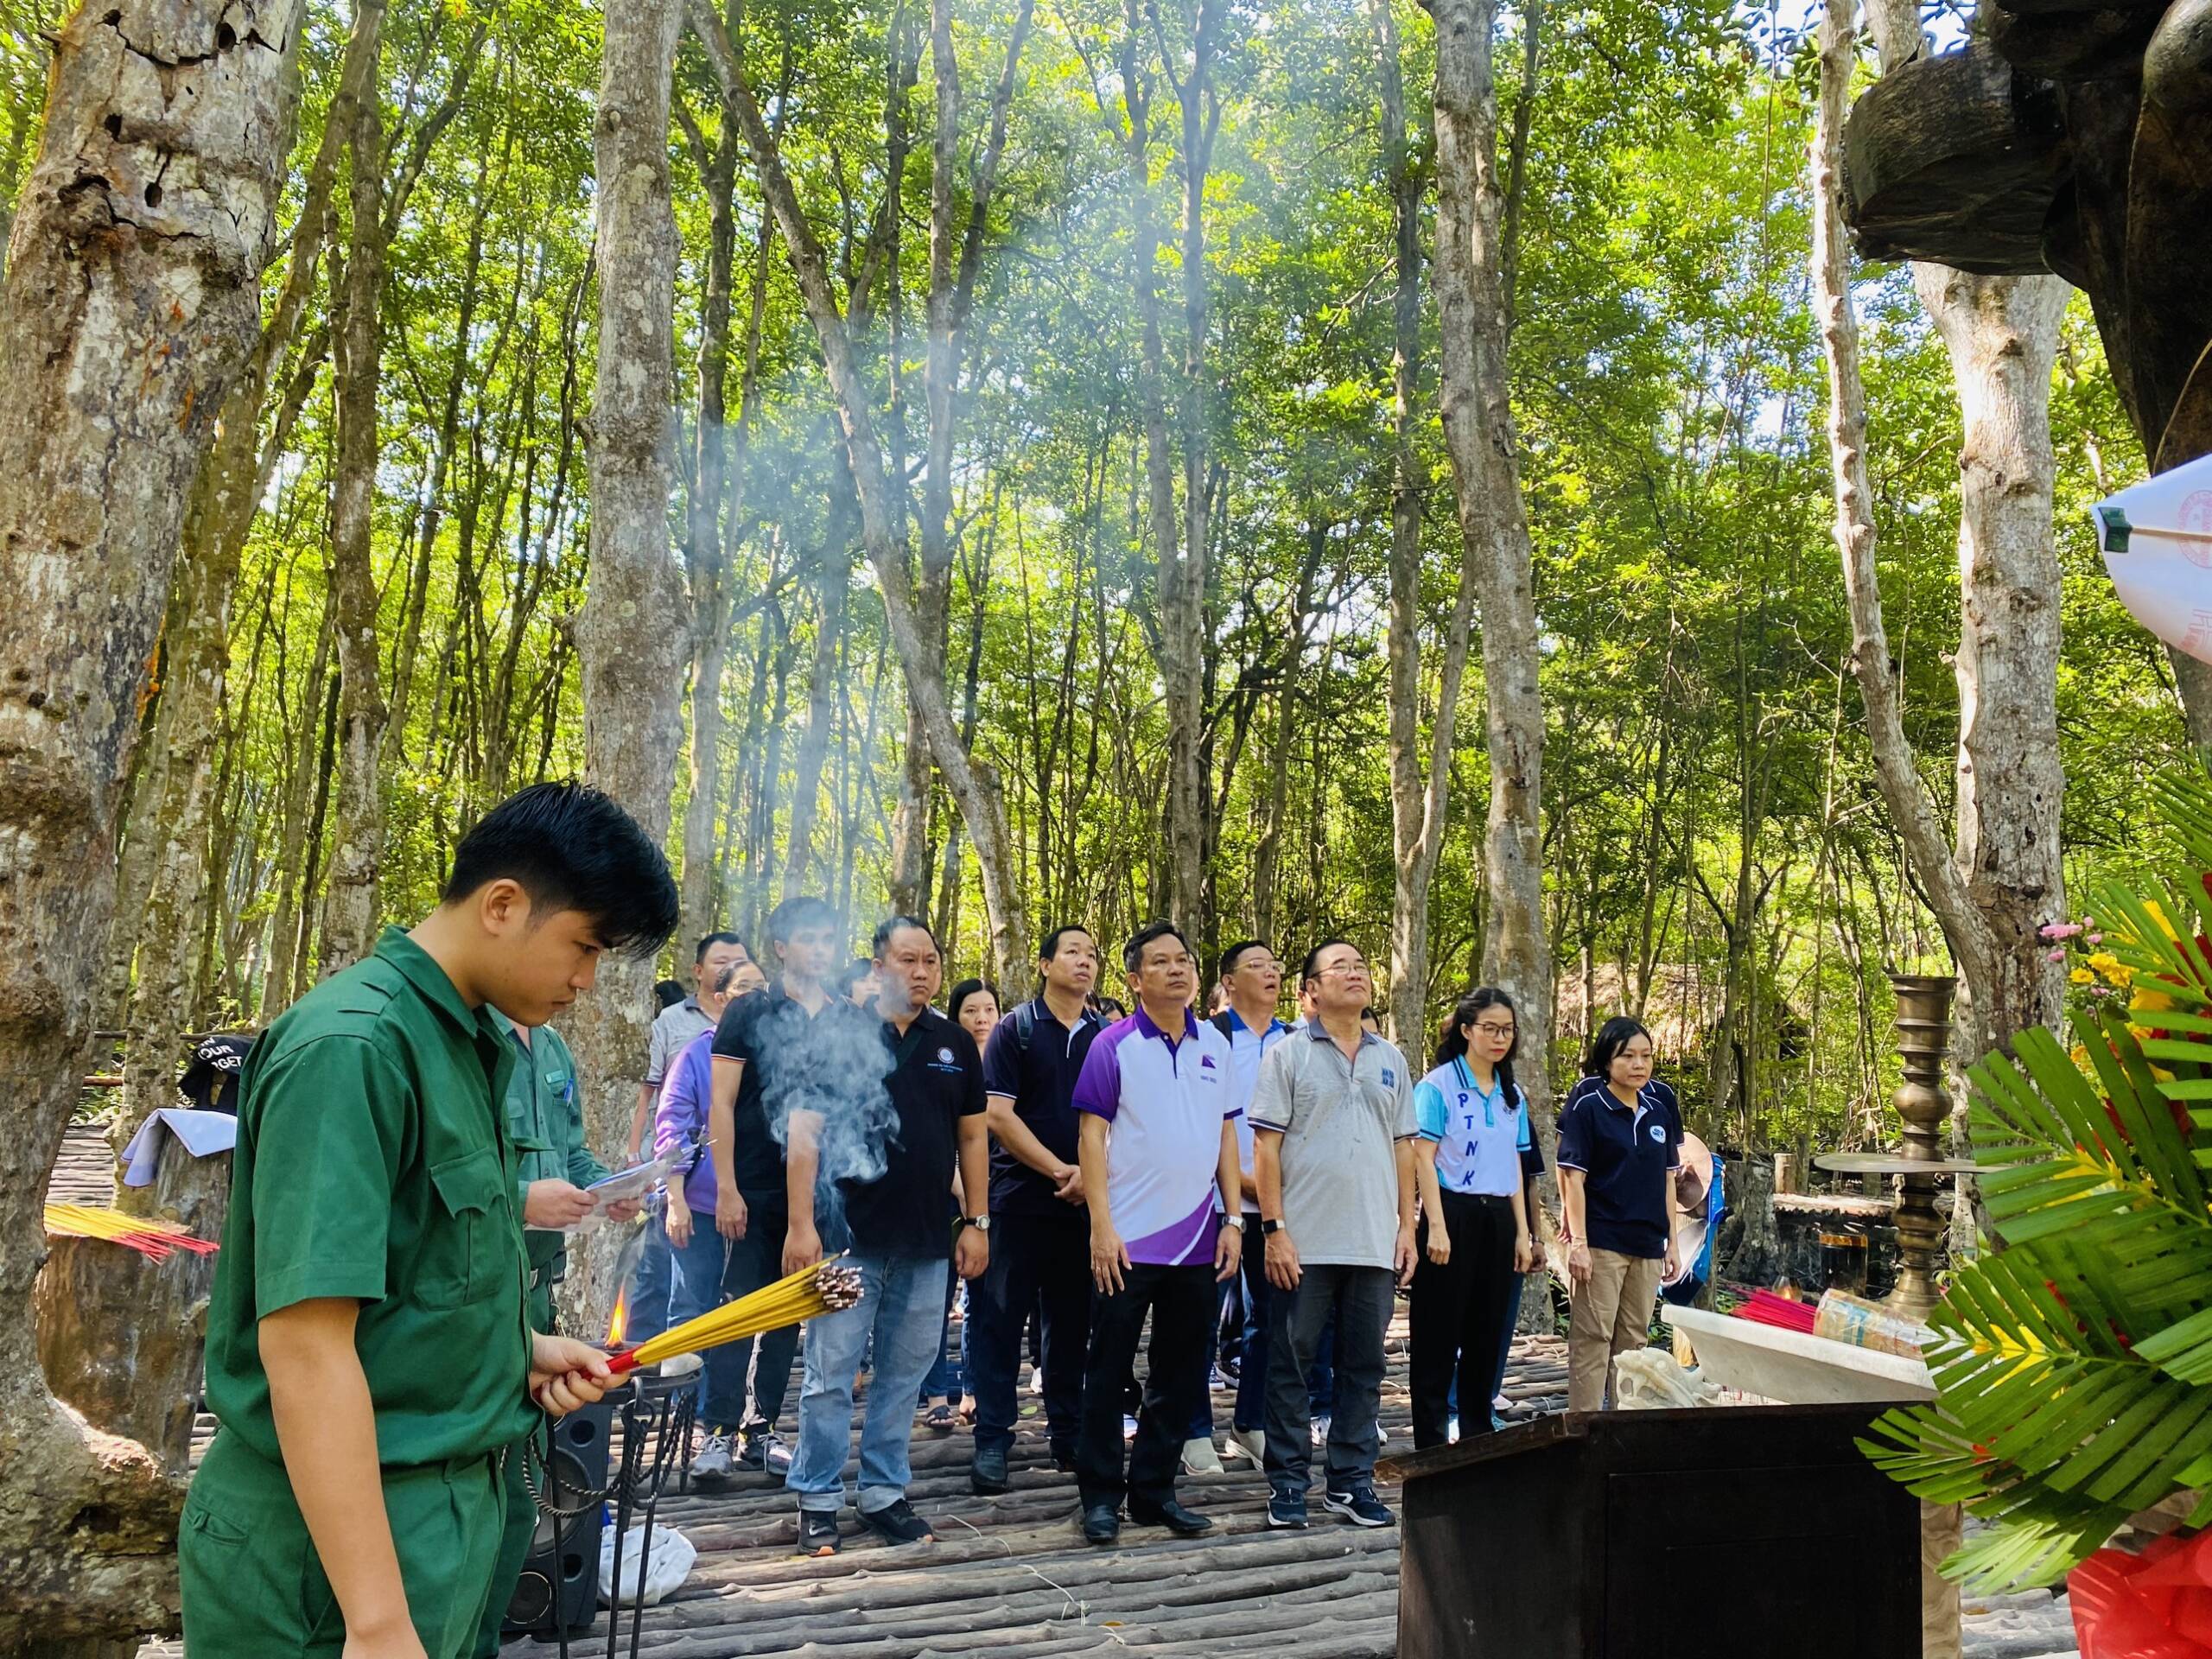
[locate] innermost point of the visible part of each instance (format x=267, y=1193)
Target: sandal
x=940, y=1418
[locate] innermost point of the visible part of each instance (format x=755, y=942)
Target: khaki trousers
x=1610, y=1315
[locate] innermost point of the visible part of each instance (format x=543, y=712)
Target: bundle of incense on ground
x=822, y=1288
x=150, y=1236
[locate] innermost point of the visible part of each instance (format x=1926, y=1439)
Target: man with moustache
x=1040, y=1253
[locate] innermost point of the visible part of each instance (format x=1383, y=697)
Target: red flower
x=2154, y=1605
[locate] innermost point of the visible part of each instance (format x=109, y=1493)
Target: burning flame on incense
x=618, y=1321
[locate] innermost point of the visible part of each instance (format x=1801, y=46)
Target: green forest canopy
x=1666, y=377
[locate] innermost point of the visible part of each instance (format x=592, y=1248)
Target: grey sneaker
x=713, y=1465
x=766, y=1451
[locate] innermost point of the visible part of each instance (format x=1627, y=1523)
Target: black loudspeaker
x=559, y=1586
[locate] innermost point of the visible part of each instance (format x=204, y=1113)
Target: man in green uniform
x=369, y=1356
x=547, y=1127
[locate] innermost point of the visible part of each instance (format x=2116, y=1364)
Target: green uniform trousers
x=254, y=1587
x=521, y=1512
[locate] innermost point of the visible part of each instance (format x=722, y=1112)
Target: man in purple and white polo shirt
x=1161, y=1178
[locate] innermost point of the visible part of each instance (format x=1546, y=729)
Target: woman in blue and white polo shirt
x=1473, y=1124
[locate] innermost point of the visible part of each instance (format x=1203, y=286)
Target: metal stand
x=657, y=1413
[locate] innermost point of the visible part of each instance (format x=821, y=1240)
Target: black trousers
x=1041, y=1263
x=1181, y=1301
x=1358, y=1299
x=757, y=1260
x=1458, y=1316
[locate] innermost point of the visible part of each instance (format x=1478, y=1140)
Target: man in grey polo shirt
x=1333, y=1128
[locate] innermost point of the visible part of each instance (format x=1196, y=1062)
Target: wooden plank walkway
x=1010, y=1577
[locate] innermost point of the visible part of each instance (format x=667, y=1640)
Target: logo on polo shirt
x=1205, y=1061
x=944, y=1056
x=1390, y=1079
x=1658, y=1132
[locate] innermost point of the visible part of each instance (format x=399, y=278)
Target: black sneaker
x=763, y=1450
x=896, y=1523
x=1287, y=1512
x=1358, y=1505
x=817, y=1532
x=1063, y=1457
x=987, y=1472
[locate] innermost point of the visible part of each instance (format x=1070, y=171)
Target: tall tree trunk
x=1417, y=806
x=632, y=660
x=349, y=914
x=1484, y=447
x=131, y=303
x=2002, y=879
x=189, y=727
x=821, y=707
x=983, y=806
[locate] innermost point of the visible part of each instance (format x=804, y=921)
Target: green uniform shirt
x=547, y=1126
x=373, y=1163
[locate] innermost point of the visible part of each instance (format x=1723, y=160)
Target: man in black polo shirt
x=1041, y=1251
x=870, y=1159
x=767, y=1050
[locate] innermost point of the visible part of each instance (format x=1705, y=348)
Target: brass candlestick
x=1923, y=1039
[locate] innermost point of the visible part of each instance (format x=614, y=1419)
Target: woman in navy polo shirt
x=1620, y=1137
x=1473, y=1124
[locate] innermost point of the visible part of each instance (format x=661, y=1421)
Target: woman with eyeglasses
x=1473, y=1123
x=1620, y=1139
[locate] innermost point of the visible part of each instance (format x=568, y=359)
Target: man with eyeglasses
x=1251, y=977
x=1333, y=1128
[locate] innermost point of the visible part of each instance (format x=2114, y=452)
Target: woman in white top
x=1473, y=1124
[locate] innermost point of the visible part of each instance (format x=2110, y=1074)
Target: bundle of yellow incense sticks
x=803, y=1295
x=150, y=1236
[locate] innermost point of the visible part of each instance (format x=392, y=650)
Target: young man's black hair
x=1133, y=952
x=803, y=910
x=890, y=925
x=1227, y=965
x=571, y=846
x=1309, y=970
x=714, y=939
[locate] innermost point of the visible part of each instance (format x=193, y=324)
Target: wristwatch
x=981, y=1224
x=1270, y=1228
x=1237, y=1222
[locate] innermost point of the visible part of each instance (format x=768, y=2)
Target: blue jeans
x=945, y=1376
x=699, y=1268
x=1259, y=1309
x=902, y=1306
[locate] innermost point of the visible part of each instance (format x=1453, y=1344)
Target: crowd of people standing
x=1252, y=1192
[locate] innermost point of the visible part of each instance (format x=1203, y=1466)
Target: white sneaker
x=1199, y=1457
x=1382, y=1434
x=1501, y=1403
x=1036, y=1379
x=1247, y=1443
x=1451, y=1432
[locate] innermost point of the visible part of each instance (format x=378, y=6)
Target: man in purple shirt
x=702, y=1255
x=1161, y=1179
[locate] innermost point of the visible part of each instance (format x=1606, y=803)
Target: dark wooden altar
x=1733, y=1533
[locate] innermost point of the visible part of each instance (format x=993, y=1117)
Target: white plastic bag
x=665, y=1568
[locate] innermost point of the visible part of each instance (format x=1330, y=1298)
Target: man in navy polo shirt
x=1040, y=1255
x=1160, y=1177
x=872, y=1153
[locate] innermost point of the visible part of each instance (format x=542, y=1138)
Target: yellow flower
x=2110, y=966
x=2081, y=976
x=2149, y=1001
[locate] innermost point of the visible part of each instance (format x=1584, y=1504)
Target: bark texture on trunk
x=350, y=898
x=973, y=784
x=2001, y=879
x=1484, y=447
x=1417, y=805
x=630, y=641
x=131, y=304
